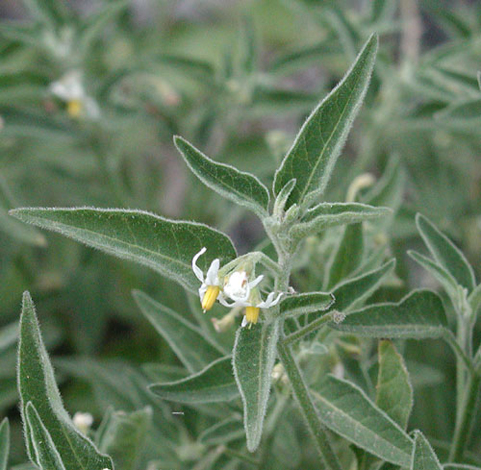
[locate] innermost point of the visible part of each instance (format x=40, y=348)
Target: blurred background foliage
x=236, y=78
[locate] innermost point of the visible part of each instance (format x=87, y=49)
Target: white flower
x=209, y=290
x=238, y=288
x=71, y=90
x=252, y=310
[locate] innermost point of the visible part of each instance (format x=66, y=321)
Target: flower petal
x=197, y=271
x=211, y=278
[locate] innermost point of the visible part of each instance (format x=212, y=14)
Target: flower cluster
x=235, y=290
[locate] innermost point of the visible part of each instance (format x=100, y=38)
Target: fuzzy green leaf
x=46, y=454
x=311, y=302
x=122, y=436
x=327, y=215
x=188, y=341
x=423, y=457
x=240, y=187
x=419, y=315
x=320, y=140
x=253, y=359
x=36, y=383
x=394, y=392
x=348, y=255
x=214, y=383
x=446, y=253
x=166, y=246
x=346, y=409
x=438, y=272
x=4, y=443
x=352, y=292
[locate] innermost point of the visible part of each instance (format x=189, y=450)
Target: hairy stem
x=465, y=418
x=308, y=409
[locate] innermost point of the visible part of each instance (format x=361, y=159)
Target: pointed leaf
x=166, y=246
x=423, y=454
x=320, y=140
x=36, y=383
x=4, y=443
x=438, y=272
x=240, y=187
x=346, y=409
x=122, y=436
x=186, y=340
x=327, y=215
x=446, y=253
x=418, y=315
x=312, y=302
x=253, y=359
x=352, y=292
x=214, y=383
x=46, y=454
x=348, y=255
x=394, y=392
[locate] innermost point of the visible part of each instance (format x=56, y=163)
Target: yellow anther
x=209, y=297
x=74, y=108
x=252, y=314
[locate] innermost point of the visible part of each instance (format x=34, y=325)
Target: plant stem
x=465, y=418
x=309, y=328
x=307, y=407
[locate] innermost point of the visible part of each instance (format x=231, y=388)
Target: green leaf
x=423, y=454
x=394, y=392
x=4, y=443
x=438, y=272
x=214, y=383
x=348, y=255
x=353, y=292
x=36, y=383
x=346, y=409
x=46, y=454
x=186, y=340
x=327, y=215
x=446, y=253
x=418, y=315
x=122, y=436
x=226, y=431
x=316, y=148
x=164, y=245
x=240, y=187
x=312, y=302
x=253, y=359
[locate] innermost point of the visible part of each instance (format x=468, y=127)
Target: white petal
x=197, y=271
x=244, y=322
x=270, y=301
x=256, y=281
x=211, y=277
